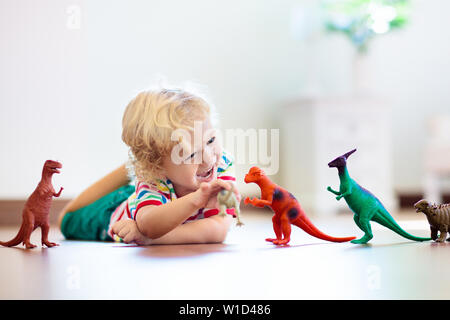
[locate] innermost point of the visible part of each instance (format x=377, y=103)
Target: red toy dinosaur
x=286, y=208
x=37, y=208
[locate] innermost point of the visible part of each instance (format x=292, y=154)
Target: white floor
x=244, y=267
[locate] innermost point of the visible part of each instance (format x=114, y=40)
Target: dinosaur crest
x=341, y=161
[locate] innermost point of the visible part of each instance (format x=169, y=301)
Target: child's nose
x=208, y=156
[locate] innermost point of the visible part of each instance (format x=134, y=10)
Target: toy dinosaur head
x=253, y=175
x=51, y=167
x=422, y=206
x=341, y=161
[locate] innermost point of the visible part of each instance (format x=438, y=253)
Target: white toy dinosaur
x=227, y=199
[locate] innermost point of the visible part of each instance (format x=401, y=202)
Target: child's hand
x=212, y=202
x=206, y=195
x=127, y=230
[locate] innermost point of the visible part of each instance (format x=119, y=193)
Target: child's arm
x=209, y=230
x=156, y=221
x=105, y=185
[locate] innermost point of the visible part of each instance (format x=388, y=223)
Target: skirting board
x=11, y=211
x=407, y=200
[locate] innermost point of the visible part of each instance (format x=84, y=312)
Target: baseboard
x=11, y=211
x=406, y=200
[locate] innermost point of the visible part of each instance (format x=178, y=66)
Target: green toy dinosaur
x=364, y=204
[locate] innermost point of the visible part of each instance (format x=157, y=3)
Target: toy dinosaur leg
x=44, y=229
x=356, y=219
x=286, y=231
x=27, y=234
x=434, y=233
x=238, y=216
x=442, y=237
x=364, y=224
x=277, y=228
x=28, y=223
x=222, y=210
x=443, y=234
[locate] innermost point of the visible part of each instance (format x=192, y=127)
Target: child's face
x=200, y=164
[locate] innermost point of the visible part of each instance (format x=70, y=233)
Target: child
x=174, y=197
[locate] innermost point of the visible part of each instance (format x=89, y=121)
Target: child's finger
x=204, y=187
x=212, y=203
x=225, y=185
x=129, y=238
x=117, y=226
x=217, y=185
x=124, y=231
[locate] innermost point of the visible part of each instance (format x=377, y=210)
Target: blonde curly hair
x=148, y=123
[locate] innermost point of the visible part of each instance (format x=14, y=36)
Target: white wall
x=411, y=68
x=63, y=89
x=42, y=92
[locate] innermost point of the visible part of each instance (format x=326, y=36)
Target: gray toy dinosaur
x=438, y=217
x=227, y=199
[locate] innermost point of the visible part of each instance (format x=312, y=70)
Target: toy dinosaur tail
x=17, y=239
x=304, y=223
x=385, y=219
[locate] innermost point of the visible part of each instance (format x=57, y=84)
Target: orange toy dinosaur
x=286, y=208
x=37, y=208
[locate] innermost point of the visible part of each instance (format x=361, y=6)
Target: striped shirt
x=162, y=192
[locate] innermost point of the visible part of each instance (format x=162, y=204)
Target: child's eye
x=211, y=140
x=191, y=156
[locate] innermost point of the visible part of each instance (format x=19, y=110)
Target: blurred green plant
x=361, y=20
